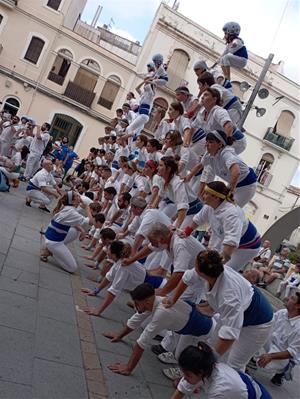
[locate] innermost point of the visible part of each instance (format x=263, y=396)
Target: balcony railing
x=79, y=94
x=98, y=35
x=9, y=3
x=56, y=78
x=279, y=140
x=264, y=178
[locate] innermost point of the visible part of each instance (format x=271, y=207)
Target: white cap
x=201, y=64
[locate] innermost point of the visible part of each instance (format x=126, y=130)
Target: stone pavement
x=49, y=348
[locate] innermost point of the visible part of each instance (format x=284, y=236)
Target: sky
x=267, y=26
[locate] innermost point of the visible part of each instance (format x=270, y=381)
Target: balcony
x=79, y=94
x=278, y=140
x=9, y=3
x=264, y=178
x=56, y=78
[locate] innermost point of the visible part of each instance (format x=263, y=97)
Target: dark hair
x=171, y=164
x=99, y=218
x=298, y=298
x=120, y=249
x=126, y=196
x=142, y=292
x=177, y=107
x=155, y=143
x=182, y=89
x=211, y=137
x=206, y=77
x=123, y=159
x=110, y=190
x=24, y=152
x=102, y=152
x=200, y=360
x=107, y=234
x=210, y=262
x=220, y=187
x=93, y=150
x=175, y=137
x=143, y=138
x=215, y=93
x=119, y=110
x=48, y=126
x=126, y=105
x=95, y=206
x=85, y=185
x=63, y=201
x=90, y=195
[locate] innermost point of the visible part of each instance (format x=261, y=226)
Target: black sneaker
x=43, y=208
x=277, y=379
x=158, y=349
x=28, y=203
x=252, y=364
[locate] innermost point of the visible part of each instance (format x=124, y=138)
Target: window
x=91, y=64
x=60, y=66
x=159, y=104
x=284, y=123
x=109, y=92
x=54, y=4
x=11, y=105
x=34, y=50
x=86, y=79
x=176, y=68
x=264, y=176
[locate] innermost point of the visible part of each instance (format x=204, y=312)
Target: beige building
x=59, y=69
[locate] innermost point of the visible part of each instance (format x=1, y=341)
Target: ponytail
x=200, y=360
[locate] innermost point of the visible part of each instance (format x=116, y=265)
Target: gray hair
x=158, y=230
x=138, y=202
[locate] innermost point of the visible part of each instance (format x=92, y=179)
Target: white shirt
x=140, y=184
x=227, y=223
x=147, y=95
x=220, y=165
x=176, y=191
x=69, y=216
x=43, y=179
x=37, y=145
x=216, y=119
x=230, y=296
x=8, y=133
x=224, y=383
x=188, y=103
x=122, y=278
x=151, y=216
x=181, y=124
x=264, y=253
x=172, y=319
x=161, y=130
x=285, y=334
x=184, y=252
x=226, y=96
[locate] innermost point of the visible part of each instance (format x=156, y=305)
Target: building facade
x=59, y=69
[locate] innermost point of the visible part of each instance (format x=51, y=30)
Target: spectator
x=277, y=268
x=292, y=281
x=263, y=256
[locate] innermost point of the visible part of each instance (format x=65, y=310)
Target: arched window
x=34, y=50
x=54, y=4
x=60, y=66
x=11, y=105
x=176, y=68
x=91, y=64
x=109, y=92
x=264, y=176
x=155, y=116
x=1, y=18
x=284, y=123
x=237, y=90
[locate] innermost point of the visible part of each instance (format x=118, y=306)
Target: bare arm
x=234, y=175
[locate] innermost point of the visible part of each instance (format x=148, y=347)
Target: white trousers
x=244, y=194
x=4, y=147
x=61, y=252
x=241, y=257
x=287, y=288
x=137, y=124
x=251, y=340
x=275, y=366
x=38, y=196
x=233, y=60
x=240, y=145
x=235, y=115
x=9, y=175
x=32, y=165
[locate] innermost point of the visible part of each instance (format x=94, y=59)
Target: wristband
x=97, y=290
x=188, y=230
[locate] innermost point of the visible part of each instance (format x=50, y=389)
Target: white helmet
x=201, y=64
x=158, y=59
x=232, y=28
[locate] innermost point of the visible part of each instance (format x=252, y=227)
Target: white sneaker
x=167, y=358
x=173, y=373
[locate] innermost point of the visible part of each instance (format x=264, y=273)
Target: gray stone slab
x=16, y=348
x=152, y=368
x=18, y=287
x=20, y=275
x=26, y=244
x=33, y=222
x=57, y=341
x=55, y=280
x=119, y=386
x=17, y=311
x=2, y=259
x=25, y=231
x=10, y=390
x=165, y=392
x=56, y=306
x=22, y=260
x=58, y=381
x=4, y=245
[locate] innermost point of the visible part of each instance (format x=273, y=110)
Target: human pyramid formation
x=145, y=201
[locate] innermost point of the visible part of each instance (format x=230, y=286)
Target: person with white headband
x=232, y=234
x=222, y=161
x=64, y=228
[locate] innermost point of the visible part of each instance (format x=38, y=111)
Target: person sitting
x=277, y=268
x=263, y=256
x=292, y=281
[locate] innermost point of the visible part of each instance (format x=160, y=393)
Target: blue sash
x=199, y=173
x=198, y=324
x=259, y=311
x=168, y=201
x=198, y=135
x=250, y=388
x=237, y=134
x=144, y=109
x=249, y=179
x=230, y=102
x=32, y=186
x=242, y=52
x=56, y=231
x=194, y=207
x=227, y=84
x=115, y=165
x=155, y=281
x=251, y=238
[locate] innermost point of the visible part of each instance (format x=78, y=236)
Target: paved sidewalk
x=49, y=348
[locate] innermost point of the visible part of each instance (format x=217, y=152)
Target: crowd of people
x=163, y=218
